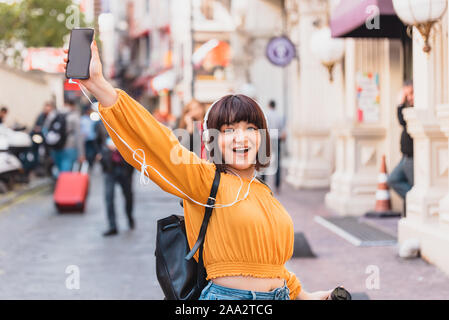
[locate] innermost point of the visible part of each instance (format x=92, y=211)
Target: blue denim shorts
x=215, y=292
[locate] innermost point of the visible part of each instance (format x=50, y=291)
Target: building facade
x=340, y=138
x=339, y=130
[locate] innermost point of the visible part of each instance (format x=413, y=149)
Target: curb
x=32, y=187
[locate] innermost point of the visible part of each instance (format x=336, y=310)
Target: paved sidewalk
x=37, y=245
x=340, y=263
x=22, y=190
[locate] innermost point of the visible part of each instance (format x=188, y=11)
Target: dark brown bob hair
x=233, y=109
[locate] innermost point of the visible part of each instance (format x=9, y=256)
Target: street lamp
x=422, y=14
x=328, y=50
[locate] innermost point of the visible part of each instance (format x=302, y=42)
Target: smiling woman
x=241, y=137
x=249, y=239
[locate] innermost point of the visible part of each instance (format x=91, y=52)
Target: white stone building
x=334, y=145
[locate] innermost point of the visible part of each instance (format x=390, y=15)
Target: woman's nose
x=240, y=135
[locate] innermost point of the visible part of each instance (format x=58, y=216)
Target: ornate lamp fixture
x=329, y=50
x=422, y=14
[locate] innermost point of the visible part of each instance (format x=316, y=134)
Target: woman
x=248, y=243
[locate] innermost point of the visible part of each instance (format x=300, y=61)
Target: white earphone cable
x=144, y=179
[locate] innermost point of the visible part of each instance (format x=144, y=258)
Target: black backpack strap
x=208, y=212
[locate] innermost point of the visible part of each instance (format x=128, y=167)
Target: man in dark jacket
x=39, y=129
x=401, y=178
x=116, y=170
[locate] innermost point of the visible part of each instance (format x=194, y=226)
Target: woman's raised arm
x=144, y=142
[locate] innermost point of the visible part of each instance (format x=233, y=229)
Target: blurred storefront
x=343, y=111
x=373, y=76
x=212, y=26
x=344, y=127
x=39, y=85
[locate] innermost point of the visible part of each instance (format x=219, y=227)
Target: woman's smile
x=240, y=143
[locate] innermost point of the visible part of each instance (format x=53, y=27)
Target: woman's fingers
x=95, y=53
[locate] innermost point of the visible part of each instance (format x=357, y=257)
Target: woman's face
x=239, y=144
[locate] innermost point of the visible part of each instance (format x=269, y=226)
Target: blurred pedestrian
x=401, y=178
x=89, y=135
x=3, y=113
x=37, y=133
x=116, y=171
x=190, y=120
x=276, y=123
x=64, y=137
x=165, y=117
x=49, y=106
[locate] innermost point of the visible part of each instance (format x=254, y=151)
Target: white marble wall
x=428, y=201
x=316, y=105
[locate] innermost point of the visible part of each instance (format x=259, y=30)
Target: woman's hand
x=317, y=295
x=97, y=84
x=320, y=295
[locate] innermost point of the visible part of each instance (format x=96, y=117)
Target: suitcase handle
x=81, y=167
x=84, y=167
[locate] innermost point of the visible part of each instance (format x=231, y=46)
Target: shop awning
x=164, y=81
x=354, y=19
x=213, y=52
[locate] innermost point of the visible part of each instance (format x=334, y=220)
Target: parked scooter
x=10, y=166
x=17, y=144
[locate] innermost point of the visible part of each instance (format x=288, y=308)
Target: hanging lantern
x=328, y=50
x=422, y=14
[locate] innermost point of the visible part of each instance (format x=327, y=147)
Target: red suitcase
x=71, y=191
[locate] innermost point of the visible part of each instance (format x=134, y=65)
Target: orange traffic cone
x=383, y=200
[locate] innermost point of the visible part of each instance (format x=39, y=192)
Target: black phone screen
x=79, y=53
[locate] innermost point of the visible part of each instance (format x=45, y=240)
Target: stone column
x=430, y=172
x=443, y=117
x=316, y=104
x=361, y=144
x=428, y=124
x=354, y=182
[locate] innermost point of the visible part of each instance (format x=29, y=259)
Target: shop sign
x=280, y=51
x=368, y=97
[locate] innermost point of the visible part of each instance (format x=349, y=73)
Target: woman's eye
x=228, y=130
x=252, y=128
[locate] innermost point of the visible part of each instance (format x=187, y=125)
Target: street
x=37, y=245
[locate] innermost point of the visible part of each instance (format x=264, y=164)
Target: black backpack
x=56, y=136
x=178, y=273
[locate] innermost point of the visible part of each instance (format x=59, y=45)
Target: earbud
x=206, y=141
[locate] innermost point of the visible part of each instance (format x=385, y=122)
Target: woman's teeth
x=241, y=150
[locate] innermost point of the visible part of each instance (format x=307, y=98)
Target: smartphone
x=79, y=53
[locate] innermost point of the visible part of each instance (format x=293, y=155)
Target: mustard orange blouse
x=251, y=238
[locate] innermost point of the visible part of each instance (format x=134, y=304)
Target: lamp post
x=327, y=49
x=422, y=14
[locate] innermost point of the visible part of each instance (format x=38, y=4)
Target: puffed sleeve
x=149, y=141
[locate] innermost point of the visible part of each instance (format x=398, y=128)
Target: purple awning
x=350, y=17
